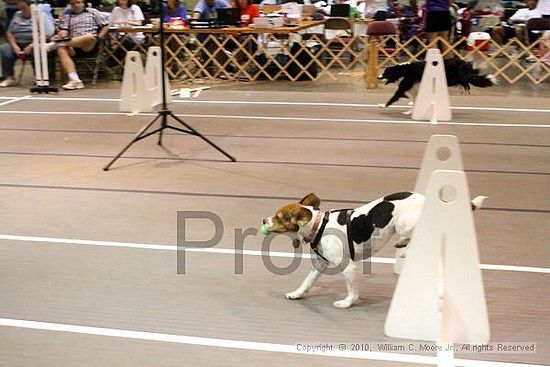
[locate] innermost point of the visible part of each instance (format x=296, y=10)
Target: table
x=286, y=29
x=235, y=53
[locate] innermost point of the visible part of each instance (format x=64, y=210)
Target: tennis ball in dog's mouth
x=264, y=230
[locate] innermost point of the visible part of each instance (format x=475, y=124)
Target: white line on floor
x=215, y=250
x=15, y=99
x=285, y=103
x=239, y=117
x=361, y=105
x=72, y=113
x=244, y=345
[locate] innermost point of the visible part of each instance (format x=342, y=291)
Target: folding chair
x=341, y=30
x=380, y=28
x=93, y=64
x=536, y=27
x=21, y=72
x=376, y=31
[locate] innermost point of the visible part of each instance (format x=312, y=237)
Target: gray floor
x=52, y=186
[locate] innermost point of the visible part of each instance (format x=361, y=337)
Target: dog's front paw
x=381, y=105
x=342, y=303
x=294, y=295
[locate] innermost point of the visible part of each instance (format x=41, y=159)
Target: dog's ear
x=303, y=217
x=311, y=200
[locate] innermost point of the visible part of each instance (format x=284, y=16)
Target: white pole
x=36, y=46
x=42, y=44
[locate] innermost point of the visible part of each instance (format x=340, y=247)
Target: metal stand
x=164, y=113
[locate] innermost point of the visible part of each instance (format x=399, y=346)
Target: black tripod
x=164, y=112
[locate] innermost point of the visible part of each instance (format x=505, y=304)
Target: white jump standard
x=40, y=51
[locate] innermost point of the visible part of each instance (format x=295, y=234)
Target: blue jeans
x=9, y=58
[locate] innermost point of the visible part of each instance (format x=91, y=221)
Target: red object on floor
x=478, y=39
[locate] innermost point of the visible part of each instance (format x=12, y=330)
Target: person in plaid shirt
x=82, y=28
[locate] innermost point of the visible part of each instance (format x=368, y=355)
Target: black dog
x=458, y=72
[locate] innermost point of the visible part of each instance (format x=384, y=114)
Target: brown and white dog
x=365, y=231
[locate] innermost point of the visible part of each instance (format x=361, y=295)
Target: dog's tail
x=467, y=75
x=477, y=202
x=483, y=80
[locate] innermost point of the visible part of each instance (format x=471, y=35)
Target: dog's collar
x=314, y=228
x=319, y=234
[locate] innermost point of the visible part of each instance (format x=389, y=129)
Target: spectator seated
x=126, y=14
x=535, y=27
x=19, y=37
x=80, y=35
x=516, y=24
x=410, y=23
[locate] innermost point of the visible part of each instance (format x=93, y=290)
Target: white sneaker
x=74, y=84
x=8, y=82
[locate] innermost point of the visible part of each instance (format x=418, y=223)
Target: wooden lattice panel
x=250, y=57
x=509, y=62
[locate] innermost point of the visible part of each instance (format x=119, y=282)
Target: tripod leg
x=160, y=137
x=163, y=124
x=195, y=132
x=136, y=138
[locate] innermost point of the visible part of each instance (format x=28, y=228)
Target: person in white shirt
x=516, y=24
x=376, y=9
x=128, y=14
x=544, y=7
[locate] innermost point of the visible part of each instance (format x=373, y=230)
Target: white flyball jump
x=142, y=88
x=442, y=270
x=442, y=152
x=134, y=96
x=153, y=73
x=439, y=295
x=432, y=101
